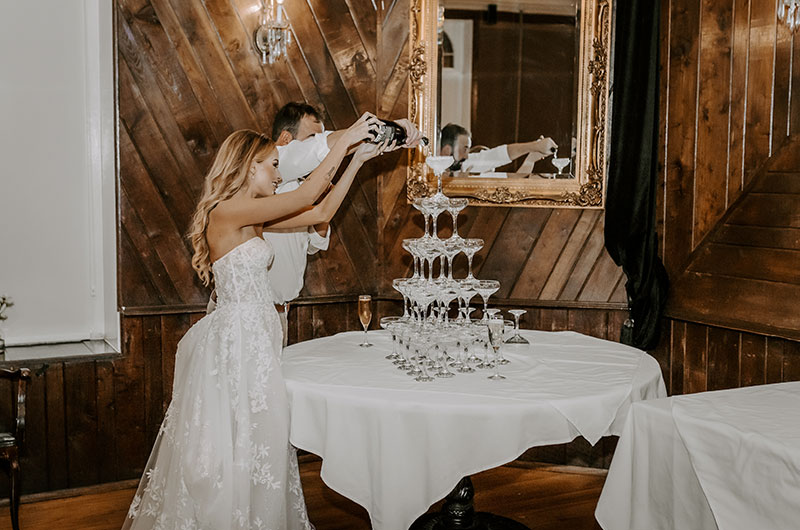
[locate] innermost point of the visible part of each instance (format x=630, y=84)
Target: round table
x=396, y=446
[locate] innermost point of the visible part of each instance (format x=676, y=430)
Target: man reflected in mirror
x=456, y=141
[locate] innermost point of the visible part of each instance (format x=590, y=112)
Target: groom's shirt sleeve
x=299, y=158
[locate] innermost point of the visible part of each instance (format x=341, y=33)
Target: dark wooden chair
x=13, y=443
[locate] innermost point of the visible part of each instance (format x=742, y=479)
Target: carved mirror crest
x=556, y=55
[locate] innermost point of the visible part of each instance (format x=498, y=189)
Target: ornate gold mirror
x=510, y=72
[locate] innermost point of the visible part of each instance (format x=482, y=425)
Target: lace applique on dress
x=222, y=459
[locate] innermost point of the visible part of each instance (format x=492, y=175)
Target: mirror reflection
x=507, y=97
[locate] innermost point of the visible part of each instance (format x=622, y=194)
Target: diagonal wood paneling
x=187, y=78
x=745, y=274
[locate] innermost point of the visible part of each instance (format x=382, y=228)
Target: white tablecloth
x=396, y=446
x=716, y=460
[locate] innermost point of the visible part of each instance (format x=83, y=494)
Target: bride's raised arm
x=250, y=210
x=323, y=212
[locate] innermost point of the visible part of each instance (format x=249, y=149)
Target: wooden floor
x=542, y=497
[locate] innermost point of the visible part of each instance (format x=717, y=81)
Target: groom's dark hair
x=289, y=116
x=450, y=134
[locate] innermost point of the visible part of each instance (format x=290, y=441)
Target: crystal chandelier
x=272, y=36
x=789, y=12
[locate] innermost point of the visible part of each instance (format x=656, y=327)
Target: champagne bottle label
x=393, y=132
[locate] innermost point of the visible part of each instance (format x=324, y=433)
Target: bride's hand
x=367, y=151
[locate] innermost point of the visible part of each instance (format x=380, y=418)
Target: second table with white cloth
x=396, y=446
x=726, y=460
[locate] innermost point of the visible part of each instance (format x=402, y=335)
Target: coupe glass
x=560, y=164
x=471, y=247
x=411, y=246
x=466, y=294
x=422, y=206
x=446, y=296
x=454, y=207
x=486, y=288
x=517, y=338
x=399, y=285
x=428, y=252
x=424, y=295
x=365, y=316
x=452, y=248
x=439, y=164
x=435, y=206
x=441, y=251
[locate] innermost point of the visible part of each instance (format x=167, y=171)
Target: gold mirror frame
x=587, y=190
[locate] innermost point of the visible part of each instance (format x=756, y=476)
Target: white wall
x=456, y=82
x=57, y=199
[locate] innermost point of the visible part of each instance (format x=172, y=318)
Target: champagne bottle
x=391, y=131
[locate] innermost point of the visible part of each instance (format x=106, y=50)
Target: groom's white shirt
x=293, y=246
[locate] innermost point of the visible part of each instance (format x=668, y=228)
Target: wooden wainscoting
x=697, y=357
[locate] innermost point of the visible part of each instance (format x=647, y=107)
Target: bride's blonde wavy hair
x=227, y=175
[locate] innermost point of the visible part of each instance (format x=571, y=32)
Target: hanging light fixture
x=789, y=12
x=272, y=36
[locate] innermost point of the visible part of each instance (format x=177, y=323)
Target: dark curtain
x=631, y=193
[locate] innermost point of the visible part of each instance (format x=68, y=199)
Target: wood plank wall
x=726, y=108
x=187, y=78
x=729, y=84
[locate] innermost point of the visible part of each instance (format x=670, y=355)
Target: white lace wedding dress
x=222, y=458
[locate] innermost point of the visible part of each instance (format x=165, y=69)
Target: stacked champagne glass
x=436, y=336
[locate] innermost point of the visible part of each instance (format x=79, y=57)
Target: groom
x=302, y=144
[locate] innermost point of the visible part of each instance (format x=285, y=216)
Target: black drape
x=631, y=191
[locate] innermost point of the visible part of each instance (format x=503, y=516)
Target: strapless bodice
x=240, y=276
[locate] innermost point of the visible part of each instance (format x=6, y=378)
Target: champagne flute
x=508, y=328
x=390, y=323
x=496, y=328
x=365, y=316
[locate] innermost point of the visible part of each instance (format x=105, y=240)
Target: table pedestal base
x=458, y=513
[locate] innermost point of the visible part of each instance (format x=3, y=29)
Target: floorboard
x=542, y=497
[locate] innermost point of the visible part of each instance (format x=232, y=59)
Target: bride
x=222, y=459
